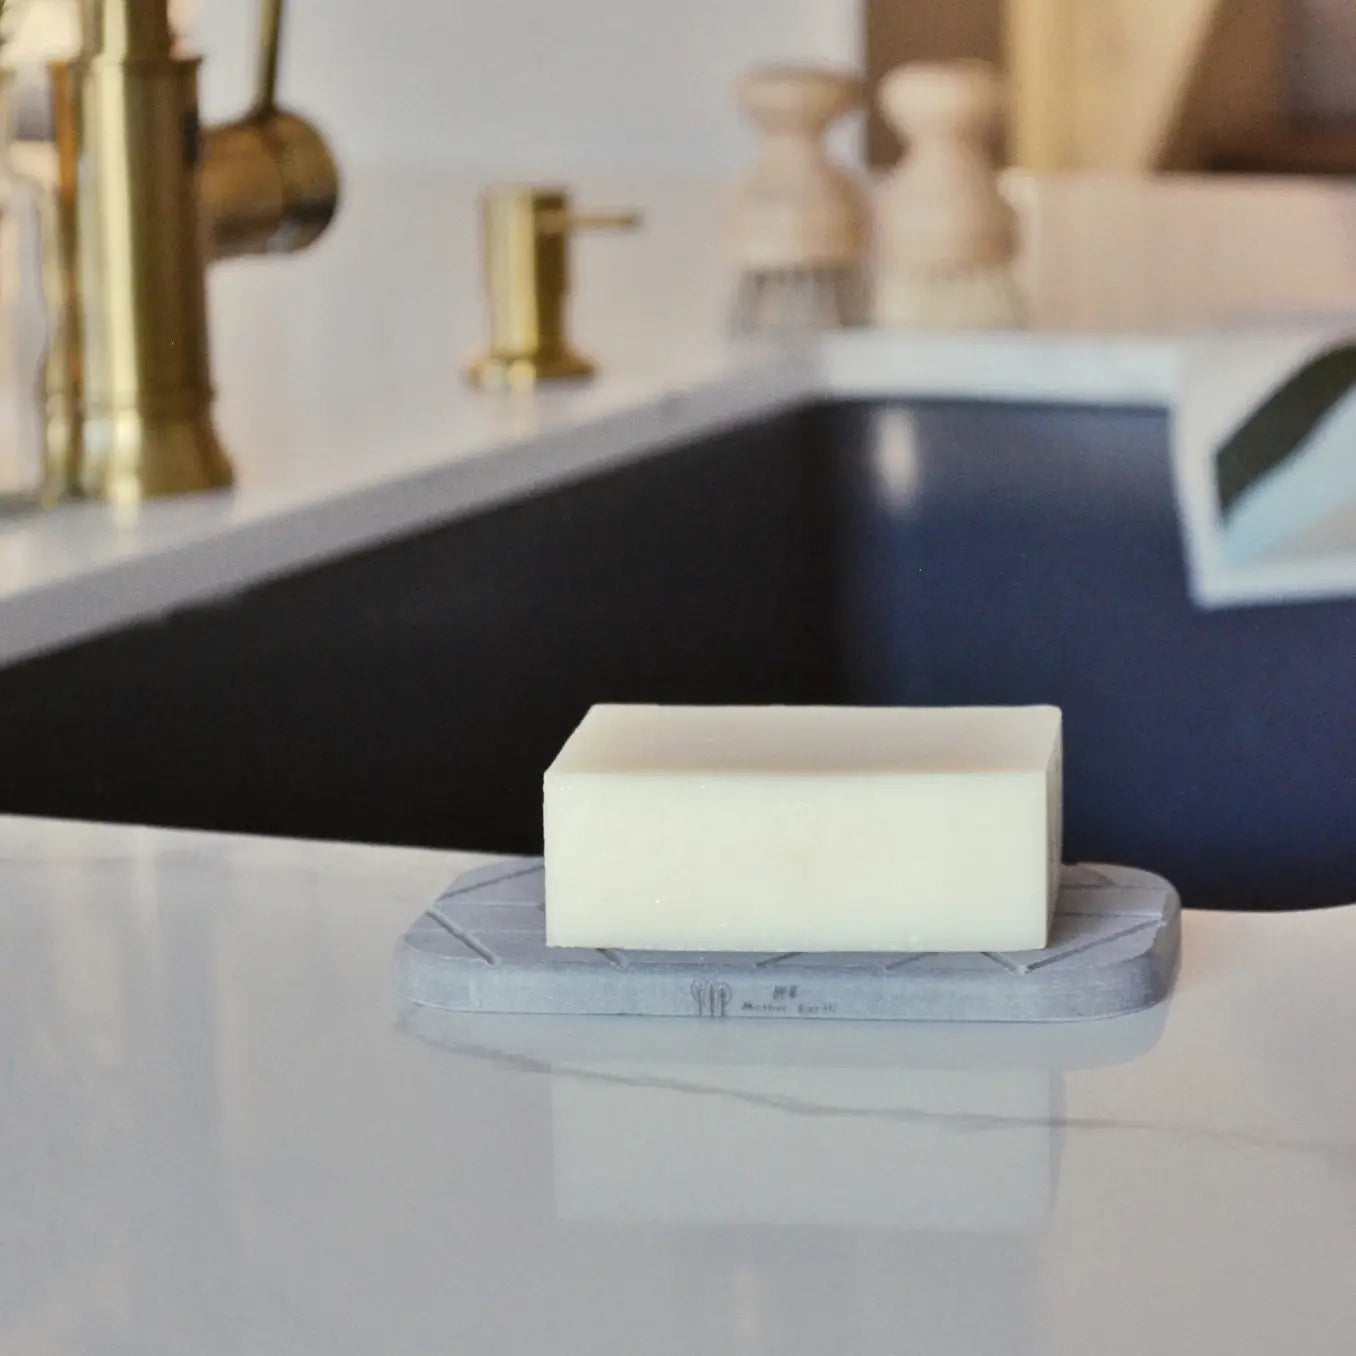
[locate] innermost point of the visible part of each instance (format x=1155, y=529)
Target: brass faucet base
x=522, y=371
x=136, y=457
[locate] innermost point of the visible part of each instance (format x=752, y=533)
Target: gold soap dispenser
x=525, y=236
x=144, y=199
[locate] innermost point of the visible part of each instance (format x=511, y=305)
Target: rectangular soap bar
x=785, y=828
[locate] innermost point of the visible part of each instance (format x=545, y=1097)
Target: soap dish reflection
x=849, y=1125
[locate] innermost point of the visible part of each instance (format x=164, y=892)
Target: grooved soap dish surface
x=482, y=947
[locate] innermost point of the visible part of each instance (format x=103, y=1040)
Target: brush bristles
x=964, y=298
x=799, y=300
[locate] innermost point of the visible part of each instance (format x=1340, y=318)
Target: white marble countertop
x=218, y=1138
x=342, y=403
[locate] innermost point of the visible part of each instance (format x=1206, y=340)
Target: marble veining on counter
x=220, y=1135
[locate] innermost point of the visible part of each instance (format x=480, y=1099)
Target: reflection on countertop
x=907, y=1126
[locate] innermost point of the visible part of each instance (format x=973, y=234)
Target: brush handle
x=941, y=207
x=794, y=208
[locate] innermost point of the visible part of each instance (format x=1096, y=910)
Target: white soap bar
x=786, y=828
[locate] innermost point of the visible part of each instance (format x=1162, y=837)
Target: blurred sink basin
x=929, y=553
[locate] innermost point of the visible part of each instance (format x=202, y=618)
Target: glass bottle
x=23, y=321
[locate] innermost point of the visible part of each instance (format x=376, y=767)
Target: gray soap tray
x=482, y=948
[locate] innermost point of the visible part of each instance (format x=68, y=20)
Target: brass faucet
x=144, y=199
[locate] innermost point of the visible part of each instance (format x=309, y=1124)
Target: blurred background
x=1264, y=85
x=1267, y=85
x=451, y=575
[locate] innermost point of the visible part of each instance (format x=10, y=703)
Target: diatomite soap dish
x=481, y=947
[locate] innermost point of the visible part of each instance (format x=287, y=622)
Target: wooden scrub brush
x=797, y=223
x=946, y=236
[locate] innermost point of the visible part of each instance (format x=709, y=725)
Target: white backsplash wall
x=526, y=86
x=594, y=85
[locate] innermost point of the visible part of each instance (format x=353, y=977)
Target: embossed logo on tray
x=712, y=999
